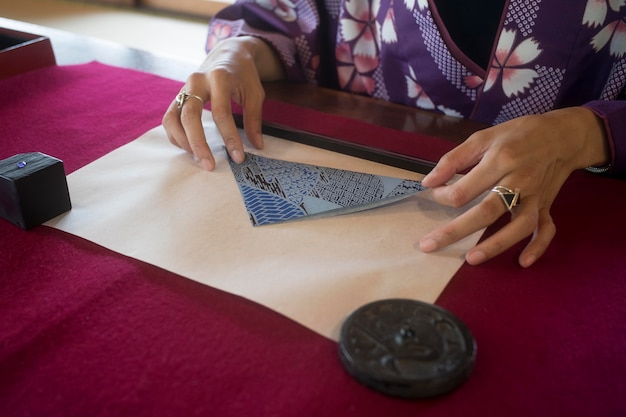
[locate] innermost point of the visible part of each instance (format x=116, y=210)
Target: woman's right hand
x=233, y=70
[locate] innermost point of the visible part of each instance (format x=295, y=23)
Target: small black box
x=33, y=189
x=21, y=52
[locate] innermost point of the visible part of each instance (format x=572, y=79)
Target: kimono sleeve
x=613, y=113
x=291, y=27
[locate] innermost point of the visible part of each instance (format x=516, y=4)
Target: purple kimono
x=547, y=55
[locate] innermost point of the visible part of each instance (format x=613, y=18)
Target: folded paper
x=149, y=200
x=276, y=191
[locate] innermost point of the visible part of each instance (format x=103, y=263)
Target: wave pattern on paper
x=276, y=191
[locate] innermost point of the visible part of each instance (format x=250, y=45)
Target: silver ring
x=510, y=198
x=183, y=96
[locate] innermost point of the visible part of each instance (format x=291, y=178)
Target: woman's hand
x=534, y=154
x=233, y=70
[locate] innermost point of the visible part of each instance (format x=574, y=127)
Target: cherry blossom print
x=284, y=9
x=596, y=11
x=358, y=24
x=473, y=81
x=508, y=64
x=613, y=34
x=388, y=30
x=449, y=112
x=354, y=71
x=219, y=31
x=416, y=92
x=410, y=4
x=532, y=64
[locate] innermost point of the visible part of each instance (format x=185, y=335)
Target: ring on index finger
x=510, y=198
x=183, y=96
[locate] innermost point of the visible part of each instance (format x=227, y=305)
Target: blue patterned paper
x=276, y=191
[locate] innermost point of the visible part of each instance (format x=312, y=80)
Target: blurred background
x=174, y=28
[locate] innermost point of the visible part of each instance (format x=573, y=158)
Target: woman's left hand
x=534, y=154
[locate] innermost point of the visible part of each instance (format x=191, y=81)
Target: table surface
x=142, y=341
x=73, y=49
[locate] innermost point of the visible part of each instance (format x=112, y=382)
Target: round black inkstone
x=407, y=348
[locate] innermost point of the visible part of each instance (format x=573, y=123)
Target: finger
x=464, y=190
x=457, y=160
x=474, y=219
x=523, y=225
x=222, y=116
x=546, y=230
x=174, y=129
x=482, y=177
x=191, y=121
x=252, y=118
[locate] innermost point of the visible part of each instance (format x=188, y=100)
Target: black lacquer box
x=21, y=52
x=33, y=189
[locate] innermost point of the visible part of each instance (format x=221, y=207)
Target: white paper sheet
x=151, y=201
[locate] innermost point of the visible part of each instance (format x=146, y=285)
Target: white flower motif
x=618, y=43
x=508, y=64
x=617, y=4
x=415, y=91
x=354, y=71
x=284, y=9
x=410, y=4
x=449, y=112
x=596, y=10
x=595, y=13
x=361, y=25
x=615, y=33
x=388, y=30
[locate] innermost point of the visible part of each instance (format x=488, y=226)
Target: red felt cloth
x=87, y=332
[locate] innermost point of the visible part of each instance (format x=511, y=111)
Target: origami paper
x=150, y=201
x=276, y=191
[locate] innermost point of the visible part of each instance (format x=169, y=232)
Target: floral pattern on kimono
x=546, y=55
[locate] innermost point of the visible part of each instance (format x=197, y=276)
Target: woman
x=549, y=76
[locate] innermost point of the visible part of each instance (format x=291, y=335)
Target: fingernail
x=207, y=164
x=426, y=180
x=428, y=245
x=259, y=142
x=527, y=261
x=475, y=257
x=237, y=156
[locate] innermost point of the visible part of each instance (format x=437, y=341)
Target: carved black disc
x=407, y=348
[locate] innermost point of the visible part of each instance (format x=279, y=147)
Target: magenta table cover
x=88, y=332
